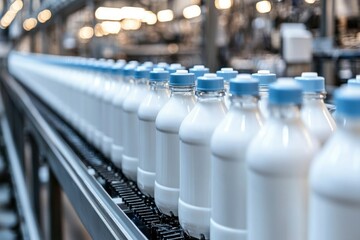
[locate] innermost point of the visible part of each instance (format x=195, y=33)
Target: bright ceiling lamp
x=223, y=4
x=192, y=11
x=110, y=27
x=16, y=6
x=132, y=12
x=86, y=33
x=44, y=15
x=310, y=1
x=263, y=6
x=29, y=24
x=149, y=18
x=165, y=15
x=108, y=13
x=130, y=24
x=117, y=14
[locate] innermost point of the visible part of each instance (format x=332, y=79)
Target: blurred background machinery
x=245, y=34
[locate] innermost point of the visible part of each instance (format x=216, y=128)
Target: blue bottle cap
x=243, y=85
x=265, y=77
x=182, y=78
x=311, y=82
x=227, y=73
x=141, y=72
x=175, y=66
x=285, y=92
x=118, y=68
x=199, y=70
x=159, y=75
x=129, y=70
x=347, y=101
x=354, y=82
x=210, y=82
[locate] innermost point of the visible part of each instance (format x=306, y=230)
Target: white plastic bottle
x=168, y=121
x=147, y=113
x=131, y=104
x=227, y=74
x=199, y=70
x=335, y=175
x=109, y=85
x=117, y=118
x=228, y=145
x=314, y=112
x=278, y=161
x=195, y=155
x=265, y=78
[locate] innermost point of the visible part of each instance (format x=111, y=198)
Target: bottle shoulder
x=200, y=123
x=151, y=105
x=134, y=98
x=234, y=133
x=282, y=149
x=173, y=113
x=335, y=172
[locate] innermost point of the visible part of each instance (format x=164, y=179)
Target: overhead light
x=16, y=6
x=165, y=15
x=130, y=24
x=132, y=12
x=192, y=11
x=98, y=31
x=44, y=16
x=310, y=1
x=29, y=24
x=149, y=18
x=108, y=13
x=223, y=4
x=117, y=14
x=110, y=27
x=86, y=33
x=263, y=6
x=7, y=19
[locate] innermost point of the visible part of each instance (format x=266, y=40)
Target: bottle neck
x=285, y=112
x=141, y=81
x=156, y=86
x=209, y=96
x=314, y=96
x=243, y=102
x=182, y=90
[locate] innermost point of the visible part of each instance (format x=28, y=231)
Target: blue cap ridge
x=311, y=82
x=182, y=78
x=347, y=101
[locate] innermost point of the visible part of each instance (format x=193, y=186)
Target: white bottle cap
x=309, y=74
x=227, y=69
x=181, y=71
x=263, y=72
x=210, y=75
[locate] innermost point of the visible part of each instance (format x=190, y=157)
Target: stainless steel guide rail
x=100, y=215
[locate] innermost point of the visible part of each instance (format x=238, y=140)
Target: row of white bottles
x=237, y=174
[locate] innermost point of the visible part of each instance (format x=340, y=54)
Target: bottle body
x=130, y=157
x=229, y=144
x=147, y=114
x=335, y=185
x=168, y=123
x=278, y=164
x=116, y=123
x=195, y=165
